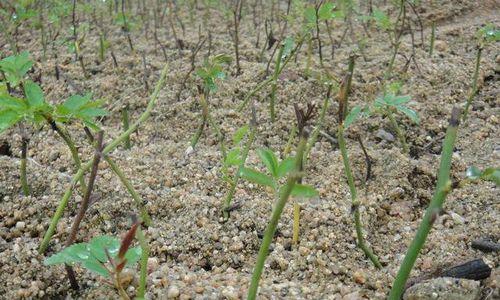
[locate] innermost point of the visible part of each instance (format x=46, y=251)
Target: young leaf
x=304, y=191
x=409, y=113
x=270, y=161
x=382, y=20
x=95, y=266
x=325, y=11
x=240, y=134
x=98, y=245
x=34, y=94
x=9, y=102
x=8, y=118
x=257, y=177
x=473, y=172
x=492, y=174
x=233, y=157
x=133, y=255
x=15, y=67
x=288, y=45
x=70, y=255
x=286, y=166
x=352, y=116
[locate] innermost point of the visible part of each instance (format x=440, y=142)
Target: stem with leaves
x=399, y=131
x=273, y=223
x=443, y=187
x=110, y=147
x=355, y=203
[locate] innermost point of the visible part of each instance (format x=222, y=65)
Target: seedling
x=387, y=105
x=237, y=157
x=33, y=109
x=295, y=174
x=355, y=203
x=210, y=73
x=486, y=35
x=443, y=187
x=103, y=255
x=488, y=174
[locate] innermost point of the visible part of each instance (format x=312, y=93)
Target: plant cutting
x=295, y=174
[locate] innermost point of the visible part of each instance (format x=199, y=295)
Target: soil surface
x=194, y=255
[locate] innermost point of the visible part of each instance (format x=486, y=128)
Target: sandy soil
x=195, y=255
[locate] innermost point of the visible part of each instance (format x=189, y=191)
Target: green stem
x=110, y=147
x=473, y=90
x=273, y=223
x=274, y=85
x=291, y=137
x=309, y=56
x=433, y=38
x=443, y=186
x=141, y=291
x=317, y=128
x=125, y=121
x=137, y=199
x=399, y=131
x=24, y=180
x=354, y=200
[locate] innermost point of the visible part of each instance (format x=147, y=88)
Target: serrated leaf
x=240, y=134
x=286, y=166
x=409, y=113
x=270, y=161
x=34, y=94
x=98, y=245
x=304, y=191
x=352, y=116
x=92, y=112
x=257, y=177
x=75, y=102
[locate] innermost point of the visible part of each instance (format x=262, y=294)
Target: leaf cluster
x=212, y=70
x=277, y=170
x=489, y=174
x=95, y=255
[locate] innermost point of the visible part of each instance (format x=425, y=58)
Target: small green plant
x=387, y=105
x=33, y=109
x=295, y=174
x=488, y=174
x=211, y=71
x=103, y=255
x=485, y=35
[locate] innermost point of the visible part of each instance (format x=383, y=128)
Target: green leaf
x=9, y=102
x=133, y=255
x=240, y=134
x=75, y=102
x=382, y=20
x=304, y=191
x=352, y=116
x=8, y=118
x=473, y=172
x=270, y=161
x=34, y=94
x=409, y=113
x=98, y=245
x=15, y=67
x=325, y=11
x=233, y=158
x=70, y=255
x=288, y=45
x=257, y=177
x=398, y=100
x=95, y=266
x=92, y=113
x=286, y=166
x=492, y=174
x=310, y=15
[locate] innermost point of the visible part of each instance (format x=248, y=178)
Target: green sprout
x=489, y=174
x=387, y=105
x=103, y=255
x=211, y=72
x=485, y=35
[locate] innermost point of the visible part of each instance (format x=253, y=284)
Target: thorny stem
x=84, y=206
x=273, y=223
x=399, y=131
x=443, y=187
x=110, y=147
x=473, y=90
